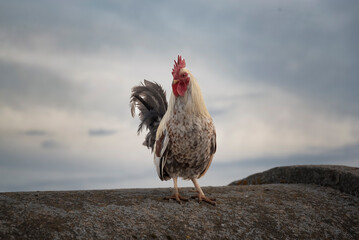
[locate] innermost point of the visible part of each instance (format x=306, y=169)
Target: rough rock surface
x=268, y=211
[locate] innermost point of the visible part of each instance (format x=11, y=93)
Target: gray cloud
x=35, y=132
x=22, y=85
x=86, y=27
x=50, y=144
x=306, y=49
x=101, y=132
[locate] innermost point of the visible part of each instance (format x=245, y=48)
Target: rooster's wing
x=161, y=152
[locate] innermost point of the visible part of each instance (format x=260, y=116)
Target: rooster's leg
x=176, y=196
x=201, y=196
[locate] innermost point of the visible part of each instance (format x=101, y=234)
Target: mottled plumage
x=181, y=133
x=192, y=143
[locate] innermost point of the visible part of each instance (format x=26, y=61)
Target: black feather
x=150, y=100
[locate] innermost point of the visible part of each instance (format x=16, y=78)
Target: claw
x=201, y=198
x=176, y=197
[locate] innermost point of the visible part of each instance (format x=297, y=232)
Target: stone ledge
x=273, y=211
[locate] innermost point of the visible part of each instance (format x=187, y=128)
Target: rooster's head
x=180, y=77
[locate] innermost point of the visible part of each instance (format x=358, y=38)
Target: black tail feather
x=150, y=100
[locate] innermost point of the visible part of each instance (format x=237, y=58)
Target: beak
x=174, y=81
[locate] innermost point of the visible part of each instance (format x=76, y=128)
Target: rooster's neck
x=180, y=103
x=192, y=102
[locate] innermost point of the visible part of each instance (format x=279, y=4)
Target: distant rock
x=345, y=179
x=267, y=211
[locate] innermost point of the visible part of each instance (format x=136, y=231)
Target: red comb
x=181, y=63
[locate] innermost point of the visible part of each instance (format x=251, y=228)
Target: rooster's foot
x=205, y=199
x=177, y=197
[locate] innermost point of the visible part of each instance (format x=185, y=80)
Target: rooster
x=181, y=133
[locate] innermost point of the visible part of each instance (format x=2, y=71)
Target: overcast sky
x=280, y=79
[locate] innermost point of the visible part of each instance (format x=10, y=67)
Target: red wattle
x=174, y=89
x=181, y=88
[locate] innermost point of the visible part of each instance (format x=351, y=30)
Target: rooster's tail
x=150, y=100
